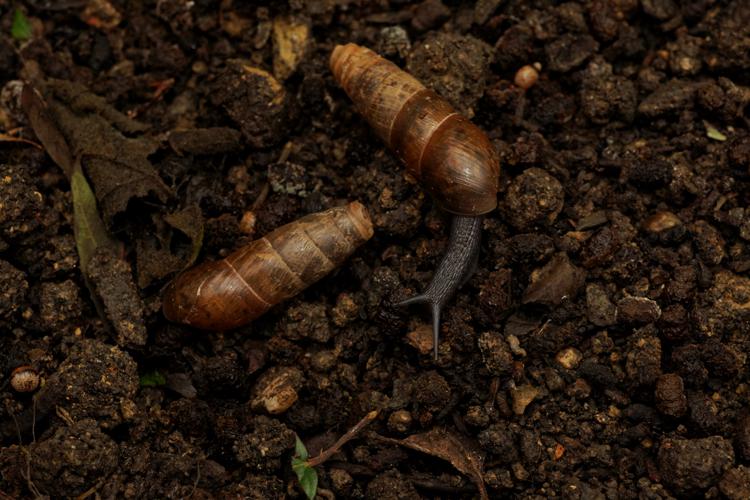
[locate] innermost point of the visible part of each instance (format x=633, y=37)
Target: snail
x=231, y=292
x=450, y=156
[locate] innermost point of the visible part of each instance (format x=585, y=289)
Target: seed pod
x=526, y=76
x=453, y=159
x=233, y=291
x=24, y=379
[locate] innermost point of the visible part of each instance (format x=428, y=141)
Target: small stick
x=328, y=453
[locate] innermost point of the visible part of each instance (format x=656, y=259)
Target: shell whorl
x=452, y=157
x=231, y=292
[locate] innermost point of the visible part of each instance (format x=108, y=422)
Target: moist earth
x=599, y=350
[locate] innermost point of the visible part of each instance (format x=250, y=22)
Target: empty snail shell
x=233, y=291
x=450, y=156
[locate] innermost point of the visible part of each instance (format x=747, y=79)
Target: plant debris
x=459, y=451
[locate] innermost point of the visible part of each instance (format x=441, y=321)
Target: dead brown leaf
x=462, y=453
x=117, y=166
x=164, y=250
x=46, y=129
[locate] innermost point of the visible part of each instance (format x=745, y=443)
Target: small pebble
x=345, y=311
x=526, y=77
x=569, y=358
x=477, y=416
x=276, y=390
x=421, y=339
x=400, y=421
x=553, y=380
x=637, y=310
x=523, y=396
x=515, y=345
x=709, y=242
x=247, y=223
x=600, y=310
x=496, y=354
x=393, y=41
x=291, y=39
x=579, y=389
x=558, y=280
x=661, y=222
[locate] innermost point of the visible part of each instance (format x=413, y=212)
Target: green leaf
x=21, y=27
x=714, y=133
x=153, y=379
x=88, y=226
x=308, y=479
x=299, y=449
x=307, y=476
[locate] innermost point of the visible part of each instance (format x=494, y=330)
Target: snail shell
x=451, y=157
x=233, y=291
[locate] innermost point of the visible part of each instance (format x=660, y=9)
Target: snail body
x=450, y=156
x=231, y=292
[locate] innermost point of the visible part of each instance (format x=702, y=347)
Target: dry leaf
x=462, y=453
x=117, y=166
x=46, y=129
x=163, y=251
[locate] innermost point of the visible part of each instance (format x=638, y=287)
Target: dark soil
x=599, y=351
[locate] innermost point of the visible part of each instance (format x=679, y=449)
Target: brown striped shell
x=452, y=157
x=233, y=291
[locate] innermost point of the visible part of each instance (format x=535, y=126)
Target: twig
x=433, y=485
x=197, y=480
x=261, y=197
x=33, y=420
x=328, y=453
x=27, y=456
x=92, y=490
x=11, y=138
